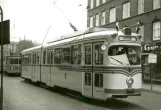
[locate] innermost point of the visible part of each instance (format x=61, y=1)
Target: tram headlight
x=130, y=81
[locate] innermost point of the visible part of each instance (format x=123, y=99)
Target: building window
x=91, y=21
x=112, y=15
x=140, y=6
x=103, y=1
x=97, y=19
x=156, y=4
x=97, y=2
x=141, y=32
x=156, y=31
x=91, y=4
x=103, y=18
x=126, y=10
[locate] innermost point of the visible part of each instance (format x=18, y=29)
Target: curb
x=149, y=90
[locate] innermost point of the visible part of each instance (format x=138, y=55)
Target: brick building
x=105, y=13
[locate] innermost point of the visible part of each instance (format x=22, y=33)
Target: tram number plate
x=130, y=91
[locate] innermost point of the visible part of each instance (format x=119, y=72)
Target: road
x=20, y=95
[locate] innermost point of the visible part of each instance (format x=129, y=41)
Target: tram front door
x=93, y=78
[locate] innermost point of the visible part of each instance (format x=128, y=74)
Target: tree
x=24, y=44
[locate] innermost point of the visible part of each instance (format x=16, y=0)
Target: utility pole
x=71, y=25
x=1, y=97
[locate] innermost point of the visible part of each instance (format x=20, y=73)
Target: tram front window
x=124, y=55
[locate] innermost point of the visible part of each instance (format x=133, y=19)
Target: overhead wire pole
x=71, y=25
x=46, y=35
x=1, y=101
x=41, y=50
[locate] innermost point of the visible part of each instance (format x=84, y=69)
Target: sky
x=35, y=19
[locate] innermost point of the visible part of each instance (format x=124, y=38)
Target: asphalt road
x=20, y=95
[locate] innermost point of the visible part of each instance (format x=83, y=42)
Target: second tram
x=12, y=64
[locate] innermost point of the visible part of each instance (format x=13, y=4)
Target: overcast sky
x=32, y=18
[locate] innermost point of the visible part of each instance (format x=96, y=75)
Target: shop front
x=151, y=70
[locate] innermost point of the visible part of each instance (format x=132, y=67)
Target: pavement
x=151, y=87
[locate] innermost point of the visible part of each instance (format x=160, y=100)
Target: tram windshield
x=124, y=55
x=14, y=61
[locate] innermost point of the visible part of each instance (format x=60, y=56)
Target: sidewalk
x=155, y=87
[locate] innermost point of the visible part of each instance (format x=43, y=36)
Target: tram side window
x=76, y=54
x=19, y=61
x=88, y=54
x=98, y=55
x=48, y=57
x=57, y=57
x=66, y=55
x=33, y=58
x=88, y=79
x=15, y=61
x=37, y=59
x=98, y=80
x=26, y=59
x=44, y=57
x=30, y=59
x=52, y=54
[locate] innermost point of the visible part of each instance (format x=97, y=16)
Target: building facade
x=10, y=49
x=146, y=13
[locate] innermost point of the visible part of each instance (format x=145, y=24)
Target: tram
x=99, y=63
x=12, y=65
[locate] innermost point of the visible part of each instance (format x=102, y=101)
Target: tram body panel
x=58, y=77
x=118, y=81
x=45, y=71
x=37, y=73
x=137, y=81
x=27, y=71
x=115, y=81
x=74, y=80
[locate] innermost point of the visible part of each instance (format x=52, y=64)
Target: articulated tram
x=99, y=63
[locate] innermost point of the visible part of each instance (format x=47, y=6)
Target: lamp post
x=1, y=97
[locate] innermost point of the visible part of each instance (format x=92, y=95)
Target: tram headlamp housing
x=130, y=81
x=103, y=47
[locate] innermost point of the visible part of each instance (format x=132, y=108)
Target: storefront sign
x=152, y=58
x=149, y=47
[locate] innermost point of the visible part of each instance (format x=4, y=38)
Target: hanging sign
x=152, y=58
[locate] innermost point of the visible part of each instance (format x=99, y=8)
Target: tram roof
x=87, y=33
x=33, y=48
